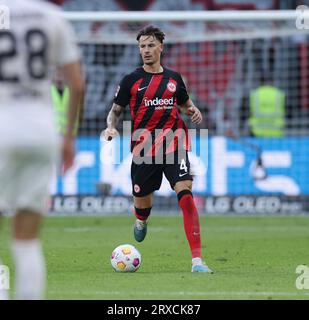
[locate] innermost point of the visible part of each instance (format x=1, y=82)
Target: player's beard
x=148, y=62
x=152, y=60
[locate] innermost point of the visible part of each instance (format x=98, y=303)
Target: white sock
x=196, y=261
x=3, y=292
x=30, y=269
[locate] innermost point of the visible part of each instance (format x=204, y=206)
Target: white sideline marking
x=99, y=229
x=183, y=293
x=248, y=229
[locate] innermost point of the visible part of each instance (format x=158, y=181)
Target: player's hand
x=109, y=133
x=67, y=153
x=196, y=115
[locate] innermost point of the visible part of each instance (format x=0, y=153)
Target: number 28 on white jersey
x=38, y=40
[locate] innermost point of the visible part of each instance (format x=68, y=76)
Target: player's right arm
x=121, y=99
x=112, y=121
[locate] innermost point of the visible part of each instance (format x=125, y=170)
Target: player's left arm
x=73, y=76
x=191, y=110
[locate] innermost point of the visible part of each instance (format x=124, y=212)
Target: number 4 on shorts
x=183, y=165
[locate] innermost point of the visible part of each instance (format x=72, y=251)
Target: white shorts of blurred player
x=25, y=175
x=28, y=153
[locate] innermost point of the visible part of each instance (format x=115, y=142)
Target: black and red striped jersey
x=153, y=100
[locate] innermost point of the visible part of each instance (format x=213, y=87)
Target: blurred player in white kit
x=38, y=41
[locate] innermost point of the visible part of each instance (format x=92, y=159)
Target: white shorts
x=25, y=175
x=28, y=151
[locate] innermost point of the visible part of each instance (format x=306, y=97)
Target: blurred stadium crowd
x=113, y=5
x=220, y=75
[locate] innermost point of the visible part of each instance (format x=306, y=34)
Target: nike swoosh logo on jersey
x=140, y=89
x=182, y=174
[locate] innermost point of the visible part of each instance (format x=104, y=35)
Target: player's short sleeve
x=123, y=92
x=181, y=94
x=67, y=50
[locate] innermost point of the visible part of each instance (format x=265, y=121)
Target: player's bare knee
x=189, y=184
x=143, y=202
x=183, y=185
x=26, y=224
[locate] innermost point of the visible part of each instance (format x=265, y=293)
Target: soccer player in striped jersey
x=159, y=140
x=38, y=41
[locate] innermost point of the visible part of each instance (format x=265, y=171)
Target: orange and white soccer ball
x=126, y=258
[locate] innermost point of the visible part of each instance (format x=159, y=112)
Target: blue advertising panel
x=221, y=166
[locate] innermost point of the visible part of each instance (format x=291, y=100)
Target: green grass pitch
x=253, y=258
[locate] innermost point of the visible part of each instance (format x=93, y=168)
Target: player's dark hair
x=151, y=31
